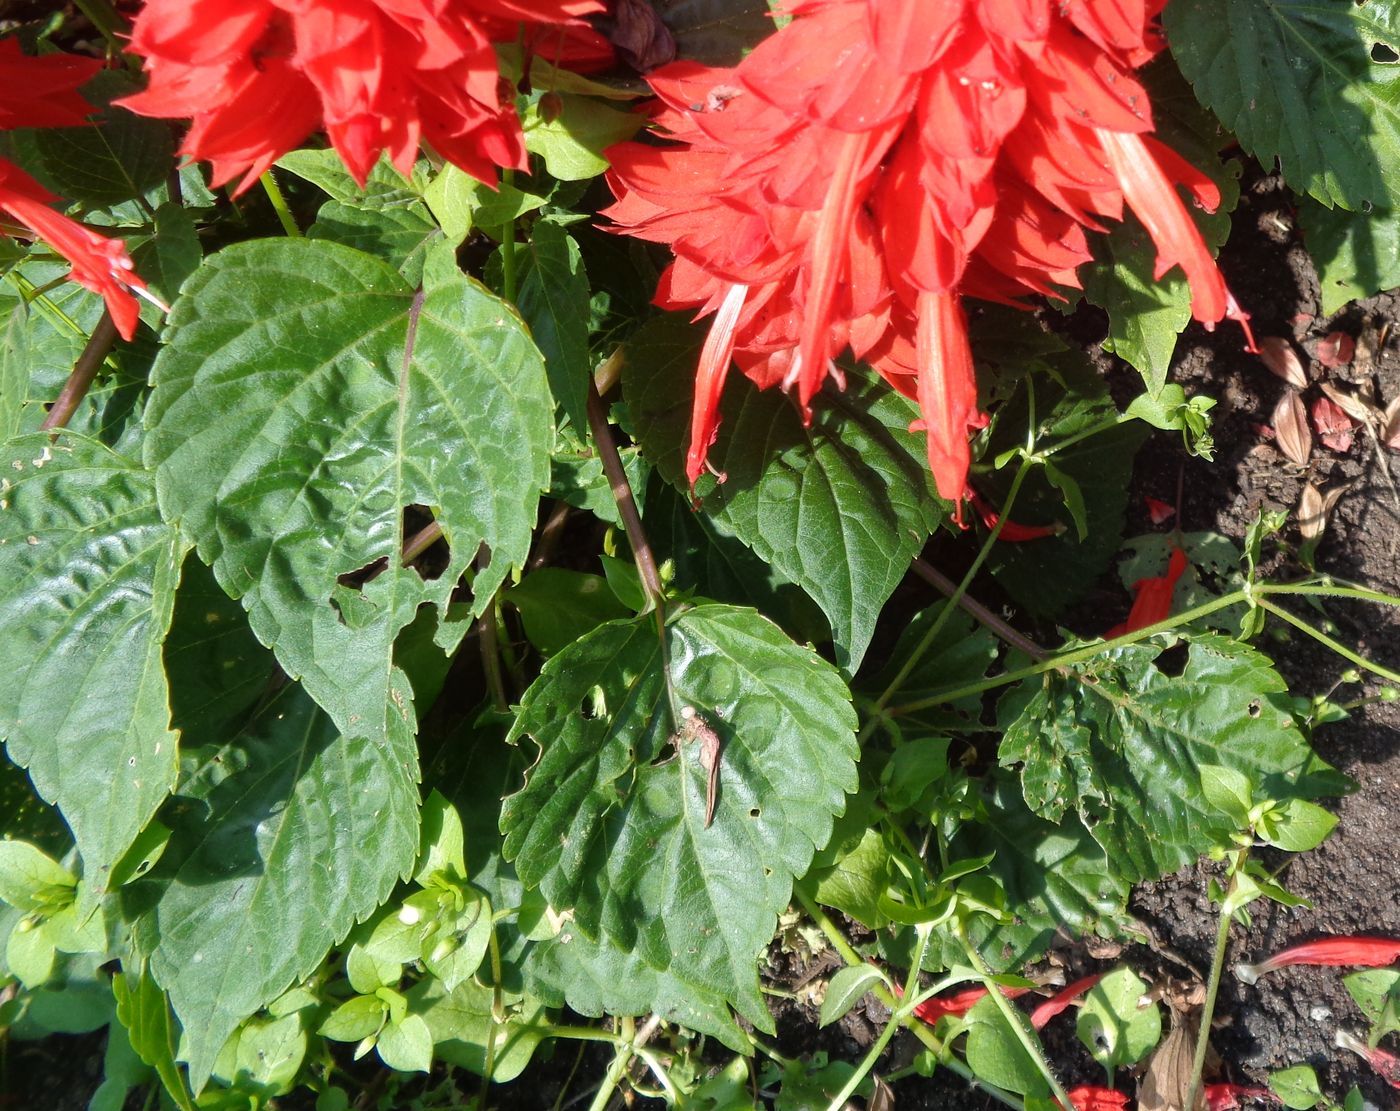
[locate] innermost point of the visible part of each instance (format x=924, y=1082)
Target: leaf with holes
x=1121, y=741
x=1313, y=86
x=840, y=507
x=611, y=821
x=282, y=839
x=88, y=572
x=305, y=398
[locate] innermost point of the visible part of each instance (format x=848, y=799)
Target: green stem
x=508, y=279
x=1322, y=638
x=931, y=1042
x=956, y=597
x=1084, y=434
x=621, y=1059
x=911, y=985
x=279, y=205
x=1217, y=966
x=1014, y=1018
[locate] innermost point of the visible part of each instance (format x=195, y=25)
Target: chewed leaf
x=611, y=821
x=307, y=398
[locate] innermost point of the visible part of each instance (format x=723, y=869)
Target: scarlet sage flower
x=256, y=77
x=1152, y=598
x=43, y=92
x=873, y=162
x=1343, y=952
x=1011, y=531
x=959, y=1003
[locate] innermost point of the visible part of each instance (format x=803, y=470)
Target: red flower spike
x=1341, y=952
x=42, y=91
x=1387, y=1064
x=1229, y=1097
x=1062, y=1000
x=1158, y=511
x=874, y=161
x=1152, y=601
x=257, y=76
x=1089, y=1097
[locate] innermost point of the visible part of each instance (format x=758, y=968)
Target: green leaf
x=88, y=572
x=406, y=1046
x=32, y=880
x=459, y=203
x=559, y=606
x=1228, y=791
x=283, y=838
x=29, y=953
x=1298, y=826
x=441, y=846
x=1357, y=254
x=264, y=1056
x=305, y=398
x=172, y=253
x=1122, y=742
x=1113, y=1025
x=1377, y=993
x=215, y=666
x=856, y=880
x=400, y=235
x=1295, y=82
x=385, y=187
x=1050, y=573
x=1297, y=1087
x=847, y=988
x=144, y=1012
x=609, y=827
x=118, y=157
x=596, y=978
x=355, y=1019
x=573, y=140
x=553, y=299
x=1145, y=314
x=840, y=507
x=995, y=1053
x=460, y=1021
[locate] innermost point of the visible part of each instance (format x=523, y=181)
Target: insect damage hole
x=425, y=549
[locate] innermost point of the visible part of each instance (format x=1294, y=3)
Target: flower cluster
x=256, y=77
x=874, y=161
x=43, y=92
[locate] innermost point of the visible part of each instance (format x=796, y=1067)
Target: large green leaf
x=1145, y=315
x=597, y=978
x=88, y=572
x=553, y=299
x=306, y=397
x=839, y=507
x=610, y=826
x=1296, y=82
x=1356, y=254
x=1120, y=741
x=282, y=839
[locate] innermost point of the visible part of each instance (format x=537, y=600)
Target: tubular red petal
x=947, y=392
x=1062, y=1000
x=1355, y=951
x=715, y=358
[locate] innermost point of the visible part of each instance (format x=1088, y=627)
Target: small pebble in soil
x=1320, y=1014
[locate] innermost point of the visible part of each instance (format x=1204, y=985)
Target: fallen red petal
x=1342, y=952
x=1332, y=424
x=1089, y=1097
x=1152, y=598
x=1159, y=511
x=1227, y=1097
x=1387, y=1064
x=1335, y=349
x=1063, y=999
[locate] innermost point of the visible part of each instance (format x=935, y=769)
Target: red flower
x=1152, y=598
x=257, y=76
x=1365, y=952
x=43, y=92
x=959, y=1003
x=1159, y=511
x=1088, y=1097
x=874, y=161
x=1011, y=531
x=1062, y=1000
